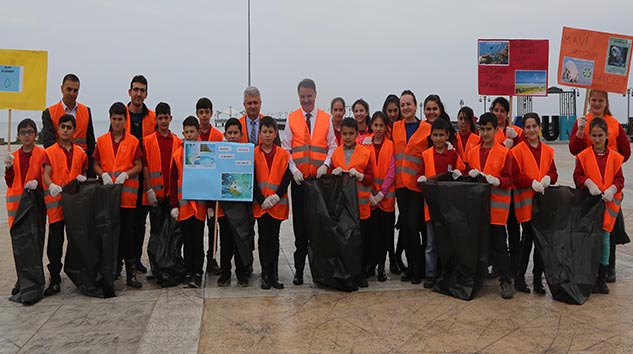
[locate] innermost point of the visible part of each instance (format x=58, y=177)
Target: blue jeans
x=430, y=251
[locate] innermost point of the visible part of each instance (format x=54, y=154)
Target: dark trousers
x=193, y=241
x=229, y=250
x=54, y=249
x=268, y=240
x=526, y=249
x=211, y=226
x=140, y=220
x=127, y=251
x=381, y=234
x=369, y=259
x=514, y=240
x=299, y=227
x=498, y=237
x=411, y=207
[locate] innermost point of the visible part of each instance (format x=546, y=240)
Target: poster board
x=218, y=171
x=23, y=76
x=594, y=60
x=512, y=67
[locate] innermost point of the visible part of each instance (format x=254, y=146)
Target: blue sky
x=530, y=77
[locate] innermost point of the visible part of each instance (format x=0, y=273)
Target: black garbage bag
x=164, y=246
x=91, y=214
x=618, y=234
x=240, y=217
x=567, y=226
x=460, y=215
x=27, y=240
x=331, y=213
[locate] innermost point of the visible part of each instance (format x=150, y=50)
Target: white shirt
x=73, y=111
x=250, y=126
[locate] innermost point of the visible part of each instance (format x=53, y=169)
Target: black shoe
x=298, y=278
x=393, y=266
x=601, y=285
x=265, y=277
x=381, y=275
x=119, y=269
x=130, y=273
x=212, y=267
x=521, y=286
x=273, y=277
x=224, y=280
x=140, y=268
x=429, y=283
x=416, y=277
x=52, y=289
x=196, y=281
x=187, y=279
x=610, y=277
x=362, y=282
x=406, y=276
x=249, y=271
x=242, y=281
x=537, y=284
x=16, y=288
x=506, y=291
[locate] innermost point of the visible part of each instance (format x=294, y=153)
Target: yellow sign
x=23, y=76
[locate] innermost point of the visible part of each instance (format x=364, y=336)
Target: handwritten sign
x=595, y=60
x=513, y=67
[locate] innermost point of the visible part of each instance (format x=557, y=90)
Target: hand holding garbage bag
x=546, y=181
x=81, y=178
x=121, y=178
x=151, y=197
x=321, y=171
x=456, y=174
x=106, y=178
x=31, y=185
x=609, y=193
x=592, y=187
x=537, y=187
x=298, y=177
x=54, y=189
x=493, y=180
x=474, y=173
x=337, y=171
x=354, y=173
x=422, y=179
x=174, y=213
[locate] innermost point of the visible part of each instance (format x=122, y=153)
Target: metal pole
x=9, y=133
x=249, y=42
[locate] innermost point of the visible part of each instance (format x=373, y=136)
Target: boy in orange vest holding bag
x=358, y=161
x=494, y=162
x=64, y=161
x=270, y=207
x=117, y=159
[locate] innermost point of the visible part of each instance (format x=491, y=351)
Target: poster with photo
x=618, y=56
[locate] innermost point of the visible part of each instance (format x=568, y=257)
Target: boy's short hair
x=118, y=108
x=163, y=108
x=25, y=123
x=440, y=124
x=191, y=121
x=67, y=118
x=268, y=122
x=139, y=79
x=350, y=123
x=488, y=118
x=204, y=103
x=231, y=122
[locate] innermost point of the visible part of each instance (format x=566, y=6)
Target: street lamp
x=628, y=95
x=483, y=99
x=249, y=42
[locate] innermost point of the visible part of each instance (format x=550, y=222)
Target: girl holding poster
x=508, y=135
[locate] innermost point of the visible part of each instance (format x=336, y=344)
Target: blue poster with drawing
x=218, y=171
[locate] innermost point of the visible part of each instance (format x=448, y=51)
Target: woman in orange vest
x=270, y=206
x=117, y=159
x=410, y=140
x=617, y=140
x=383, y=197
x=599, y=169
x=360, y=108
x=391, y=109
x=337, y=109
x=534, y=171
x=467, y=136
x=358, y=161
x=23, y=172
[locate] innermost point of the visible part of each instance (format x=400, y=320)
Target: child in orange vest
x=117, y=159
x=358, y=161
x=534, y=171
x=436, y=160
x=64, y=162
x=467, y=136
x=23, y=171
x=272, y=178
x=599, y=169
x=494, y=162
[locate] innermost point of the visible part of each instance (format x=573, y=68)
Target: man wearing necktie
x=250, y=120
x=309, y=137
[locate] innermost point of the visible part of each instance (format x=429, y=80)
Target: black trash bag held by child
x=240, y=217
x=27, y=240
x=567, y=226
x=164, y=246
x=333, y=225
x=460, y=215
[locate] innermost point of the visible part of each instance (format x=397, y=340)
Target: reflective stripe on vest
x=269, y=180
x=524, y=158
x=61, y=175
x=409, y=154
x=187, y=208
x=154, y=160
x=308, y=151
x=500, y=199
x=15, y=190
x=361, y=157
x=82, y=119
x=122, y=161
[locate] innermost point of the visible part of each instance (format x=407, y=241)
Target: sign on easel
x=23, y=76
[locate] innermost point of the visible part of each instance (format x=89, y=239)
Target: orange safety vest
x=361, y=157
x=187, y=208
x=612, y=136
x=429, y=171
x=269, y=181
x=244, y=137
x=61, y=175
x=309, y=152
x=16, y=189
x=121, y=162
x=82, y=118
x=587, y=159
x=500, y=199
x=387, y=151
x=214, y=135
x=409, y=154
x=523, y=197
x=149, y=122
x=473, y=140
x=500, y=135
x=154, y=164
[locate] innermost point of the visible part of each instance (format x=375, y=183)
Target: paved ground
x=390, y=317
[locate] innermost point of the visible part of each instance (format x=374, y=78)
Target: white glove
x=509, y=143
x=593, y=188
x=368, y=140
x=449, y=146
x=421, y=179
x=354, y=173
x=8, y=160
x=32, y=184
x=510, y=132
x=456, y=174
x=545, y=181
x=121, y=178
x=298, y=177
x=321, y=171
x=54, y=189
x=372, y=201
x=275, y=199
x=538, y=187
x=210, y=213
x=473, y=173
x=174, y=213
x=81, y=178
x=268, y=203
x=609, y=193
x=493, y=180
x=582, y=122
x=379, y=197
x=337, y=171
x=106, y=178
x=151, y=197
